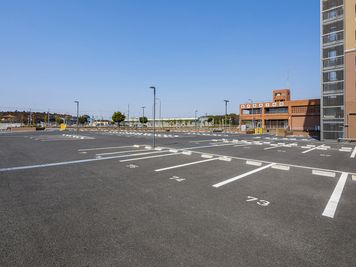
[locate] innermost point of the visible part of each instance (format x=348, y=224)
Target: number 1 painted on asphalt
x=260, y=202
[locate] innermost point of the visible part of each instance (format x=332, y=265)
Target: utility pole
x=30, y=116
x=128, y=115
x=226, y=101
x=77, y=115
x=48, y=118
x=154, y=116
x=195, y=120
x=160, y=111
x=143, y=111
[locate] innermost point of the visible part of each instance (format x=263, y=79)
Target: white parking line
x=99, y=158
x=120, y=152
x=187, y=164
x=104, y=148
x=353, y=153
x=196, y=147
x=151, y=157
x=318, y=147
x=330, y=208
x=242, y=176
x=272, y=147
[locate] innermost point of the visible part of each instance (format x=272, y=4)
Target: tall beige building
x=338, y=79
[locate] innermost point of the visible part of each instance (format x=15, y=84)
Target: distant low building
x=301, y=115
x=97, y=123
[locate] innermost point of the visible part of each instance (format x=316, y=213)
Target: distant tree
x=143, y=120
x=84, y=119
x=58, y=119
x=210, y=119
x=118, y=117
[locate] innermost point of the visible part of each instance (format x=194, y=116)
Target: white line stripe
x=330, y=208
x=120, y=152
x=353, y=153
x=196, y=147
x=242, y=176
x=72, y=162
x=103, y=148
x=150, y=157
x=306, y=151
x=187, y=164
x=272, y=147
x=268, y=162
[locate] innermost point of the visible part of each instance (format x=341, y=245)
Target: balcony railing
x=333, y=62
x=333, y=38
x=334, y=87
x=332, y=15
x=329, y=4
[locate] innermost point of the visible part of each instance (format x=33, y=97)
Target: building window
x=276, y=110
x=332, y=76
x=333, y=100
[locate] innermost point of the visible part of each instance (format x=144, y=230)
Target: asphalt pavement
x=108, y=198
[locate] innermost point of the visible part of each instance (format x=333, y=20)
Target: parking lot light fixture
x=195, y=120
x=77, y=102
x=226, y=101
x=154, y=115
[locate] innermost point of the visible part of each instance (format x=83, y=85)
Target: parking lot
x=109, y=198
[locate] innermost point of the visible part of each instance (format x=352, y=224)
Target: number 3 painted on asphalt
x=263, y=203
x=260, y=202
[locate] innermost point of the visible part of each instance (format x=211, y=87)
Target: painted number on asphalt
x=132, y=166
x=177, y=179
x=260, y=202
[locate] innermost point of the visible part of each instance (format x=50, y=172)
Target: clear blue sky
x=106, y=53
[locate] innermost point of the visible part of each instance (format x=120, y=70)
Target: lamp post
x=160, y=111
x=47, y=118
x=154, y=115
x=77, y=102
x=195, y=116
x=30, y=118
x=128, y=115
x=253, y=115
x=143, y=112
x=226, y=101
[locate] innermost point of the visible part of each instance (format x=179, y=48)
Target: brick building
x=297, y=115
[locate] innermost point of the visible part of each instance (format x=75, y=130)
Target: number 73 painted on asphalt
x=260, y=202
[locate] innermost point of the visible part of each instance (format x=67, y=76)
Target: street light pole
x=77, y=102
x=128, y=115
x=154, y=115
x=226, y=101
x=195, y=116
x=160, y=111
x=143, y=112
x=30, y=117
x=47, y=118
